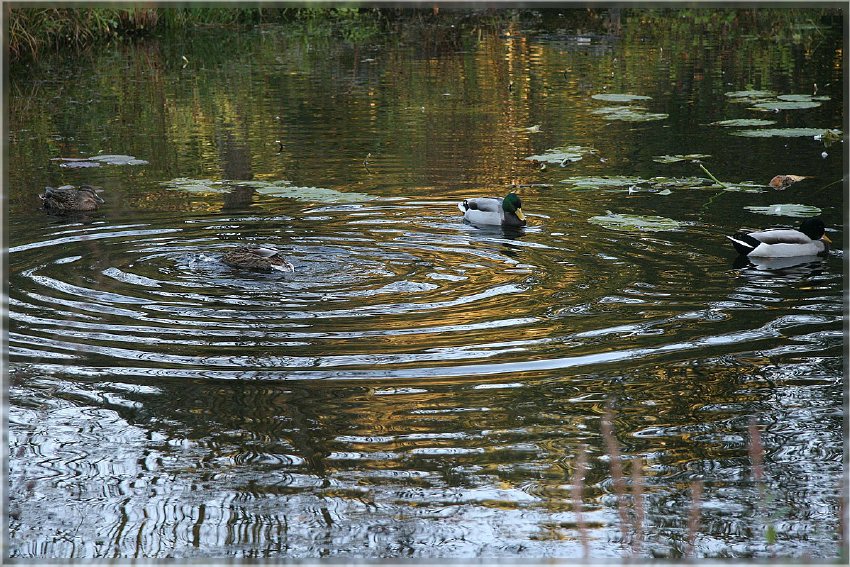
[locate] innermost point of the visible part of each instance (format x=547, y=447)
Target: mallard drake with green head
x=68, y=198
x=506, y=211
x=809, y=240
x=257, y=258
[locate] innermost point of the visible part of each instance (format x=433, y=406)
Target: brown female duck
x=71, y=199
x=259, y=258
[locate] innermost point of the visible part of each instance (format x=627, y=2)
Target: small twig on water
x=710, y=175
x=616, y=469
x=637, y=502
x=366, y=163
x=693, y=516
x=578, y=489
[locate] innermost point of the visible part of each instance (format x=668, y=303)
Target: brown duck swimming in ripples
x=260, y=259
x=69, y=198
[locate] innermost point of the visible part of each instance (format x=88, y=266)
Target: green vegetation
x=34, y=30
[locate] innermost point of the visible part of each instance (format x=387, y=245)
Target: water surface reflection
x=420, y=387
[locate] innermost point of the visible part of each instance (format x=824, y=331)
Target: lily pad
x=781, y=133
x=197, y=185
x=314, y=194
x=679, y=157
x=745, y=187
x=786, y=210
x=583, y=183
x=558, y=155
x=743, y=122
x=752, y=94
x=629, y=114
x=639, y=223
x=118, y=160
x=280, y=188
x=786, y=105
x=78, y=164
x=619, y=97
x=626, y=183
x=96, y=161
x=801, y=97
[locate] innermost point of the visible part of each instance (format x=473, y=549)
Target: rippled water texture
x=420, y=387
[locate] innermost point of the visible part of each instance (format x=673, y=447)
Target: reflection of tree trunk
x=236, y=165
x=235, y=158
x=613, y=23
x=238, y=198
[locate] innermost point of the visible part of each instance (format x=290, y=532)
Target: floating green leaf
x=626, y=183
x=96, y=161
x=679, y=157
x=801, y=97
x=786, y=210
x=582, y=183
x=750, y=94
x=619, y=97
x=75, y=164
x=314, y=194
x=279, y=188
x=745, y=187
x=118, y=160
x=640, y=223
x=558, y=155
x=786, y=105
x=629, y=114
x=780, y=132
x=743, y=122
x=197, y=185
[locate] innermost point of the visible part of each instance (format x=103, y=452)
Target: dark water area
x=420, y=387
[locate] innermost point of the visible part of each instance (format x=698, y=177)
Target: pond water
x=418, y=386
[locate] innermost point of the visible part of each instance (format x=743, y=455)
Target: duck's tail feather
x=743, y=242
x=463, y=206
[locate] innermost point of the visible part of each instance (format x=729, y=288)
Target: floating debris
x=780, y=182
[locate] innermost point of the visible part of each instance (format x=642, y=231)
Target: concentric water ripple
x=122, y=294
x=377, y=291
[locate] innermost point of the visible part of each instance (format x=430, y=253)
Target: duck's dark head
x=513, y=205
x=814, y=229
